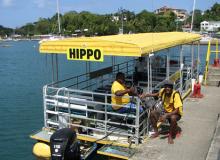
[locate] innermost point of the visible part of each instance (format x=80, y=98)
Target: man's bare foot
x=170, y=140
x=178, y=134
x=155, y=135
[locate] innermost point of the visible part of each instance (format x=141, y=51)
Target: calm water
x=23, y=72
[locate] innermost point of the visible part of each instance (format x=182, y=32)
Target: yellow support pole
x=207, y=62
x=216, y=48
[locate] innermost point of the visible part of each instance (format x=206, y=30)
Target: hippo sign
x=85, y=54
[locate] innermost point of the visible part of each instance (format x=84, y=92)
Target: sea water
x=23, y=72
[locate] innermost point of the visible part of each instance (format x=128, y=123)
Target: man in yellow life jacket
x=120, y=98
x=173, y=107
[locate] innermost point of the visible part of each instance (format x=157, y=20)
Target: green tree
x=94, y=24
x=69, y=22
x=213, y=14
x=27, y=30
x=5, y=31
x=198, y=18
x=54, y=24
x=145, y=22
x=162, y=24
x=43, y=26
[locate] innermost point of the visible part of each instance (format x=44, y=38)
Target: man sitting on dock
x=121, y=102
x=173, y=108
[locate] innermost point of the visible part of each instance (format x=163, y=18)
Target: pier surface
x=200, y=138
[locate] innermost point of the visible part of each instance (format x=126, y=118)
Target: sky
x=16, y=13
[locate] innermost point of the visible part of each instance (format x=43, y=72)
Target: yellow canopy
x=122, y=45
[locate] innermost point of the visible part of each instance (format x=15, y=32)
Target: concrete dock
x=200, y=138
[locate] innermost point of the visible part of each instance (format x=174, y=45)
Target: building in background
x=210, y=26
x=180, y=13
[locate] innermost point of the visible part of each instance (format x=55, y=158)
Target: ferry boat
x=83, y=102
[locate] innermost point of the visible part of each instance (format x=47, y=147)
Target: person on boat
x=139, y=70
x=120, y=100
x=173, y=109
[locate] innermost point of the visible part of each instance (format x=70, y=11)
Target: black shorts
x=178, y=118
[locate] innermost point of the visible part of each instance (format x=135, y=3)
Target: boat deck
x=198, y=127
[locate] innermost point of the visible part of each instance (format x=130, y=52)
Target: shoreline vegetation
x=124, y=21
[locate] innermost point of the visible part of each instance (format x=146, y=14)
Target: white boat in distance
x=206, y=38
x=50, y=38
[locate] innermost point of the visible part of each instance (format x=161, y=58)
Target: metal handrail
x=127, y=66
x=207, y=62
x=209, y=51
x=69, y=100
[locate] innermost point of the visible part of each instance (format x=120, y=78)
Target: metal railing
x=87, y=80
x=208, y=54
x=84, y=102
x=94, y=113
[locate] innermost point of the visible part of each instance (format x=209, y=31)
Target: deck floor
x=198, y=126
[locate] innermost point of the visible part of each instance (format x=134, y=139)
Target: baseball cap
x=168, y=83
